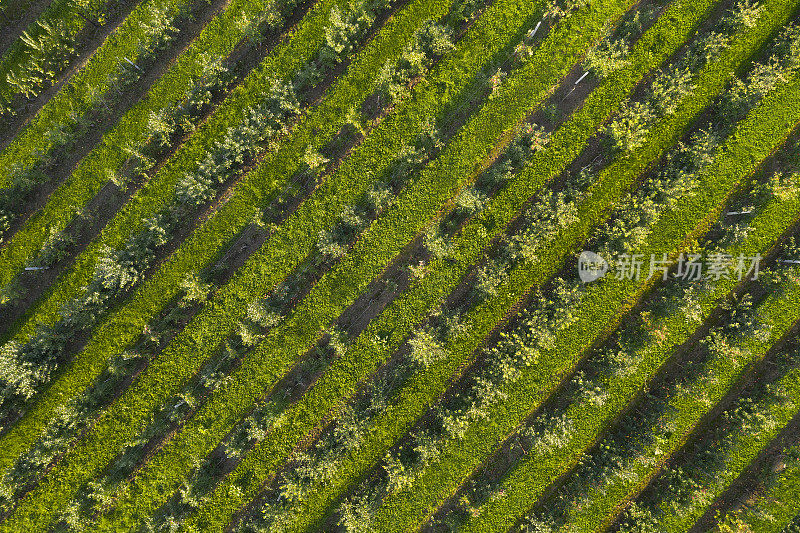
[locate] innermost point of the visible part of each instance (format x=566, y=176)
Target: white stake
x=581, y=78
x=133, y=64
x=534, y=30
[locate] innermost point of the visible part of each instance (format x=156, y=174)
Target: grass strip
x=336, y=291
x=402, y=314
x=742, y=448
x=420, y=393
x=82, y=370
x=63, y=17
x=217, y=39
x=41, y=134
x=432, y=101
x=773, y=510
x=600, y=507
x=528, y=479
x=758, y=135
x=201, y=248
x=356, y=83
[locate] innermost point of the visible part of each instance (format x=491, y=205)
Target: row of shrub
x=364, y=70
x=172, y=107
x=776, y=510
x=46, y=48
x=629, y=459
x=529, y=478
x=61, y=120
x=614, y=374
x=460, y=455
x=119, y=270
x=364, y=249
x=76, y=416
x=534, y=333
x=367, y=353
x=683, y=493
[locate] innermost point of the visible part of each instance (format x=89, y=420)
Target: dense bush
x=430, y=42
x=557, y=9
x=334, y=241
x=316, y=465
x=631, y=127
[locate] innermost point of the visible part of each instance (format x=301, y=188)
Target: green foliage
x=462, y=11
x=356, y=513
x=563, y=8
x=784, y=185
x=638, y=520
x=345, y=31
x=464, y=452
x=425, y=348
x=744, y=14
x=373, y=71
x=631, y=128
x=117, y=271
x=607, y=57
x=315, y=465
x=430, y=42
x=144, y=32
x=669, y=88
x=765, y=76
x=366, y=352
x=679, y=176
x=490, y=277
x=470, y=201
x=334, y=241
x=55, y=249
x=161, y=123
x=353, y=217
x=44, y=50
x=549, y=433
x=552, y=212
x=194, y=290
x=251, y=429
